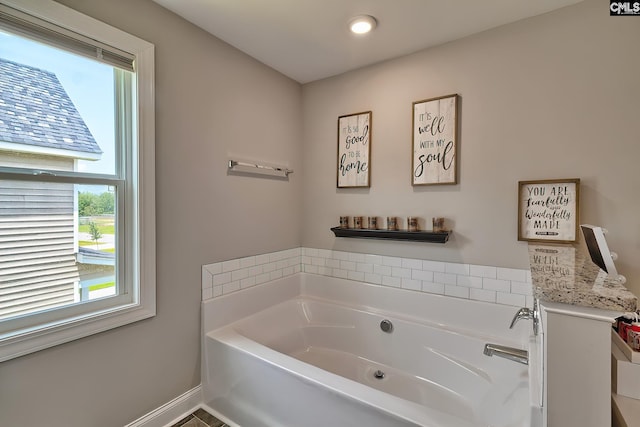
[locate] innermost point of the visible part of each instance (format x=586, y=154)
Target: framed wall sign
x=435, y=125
x=354, y=150
x=548, y=210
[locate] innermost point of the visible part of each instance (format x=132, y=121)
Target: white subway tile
x=296, y=269
x=321, y=262
x=325, y=271
x=364, y=267
x=412, y=284
x=306, y=259
x=455, y=268
x=422, y=275
x=373, y=278
x=261, y=278
x=456, y=291
x=255, y=270
x=281, y=264
x=444, y=278
x=207, y=279
x=528, y=277
x=215, y=268
x=324, y=253
x=355, y=275
x=268, y=268
x=529, y=299
x=333, y=263
x=240, y=274
x=338, y=272
x=482, y=295
x=435, y=266
x=496, y=285
x=469, y=281
x=207, y=294
x=511, y=299
x=232, y=264
x=262, y=259
x=521, y=288
x=401, y=272
x=248, y=282
x=396, y=282
x=217, y=291
x=483, y=271
x=275, y=256
x=230, y=287
x=433, y=288
x=342, y=256
x=313, y=269
x=383, y=270
x=412, y=263
x=348, y=265
x=221, y=279
x=391, y=261
x=247, y=262
x=373, y=259
x=277, y=274
x=356, y=257
x=512, y=274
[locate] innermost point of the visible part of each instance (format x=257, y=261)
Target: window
x=77, y=214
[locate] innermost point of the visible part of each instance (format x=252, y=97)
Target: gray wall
x=555, y=96
x=211, y=100
x=550, y=97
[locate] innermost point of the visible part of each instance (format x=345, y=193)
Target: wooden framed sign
x=435, y=124
x=548, y=210
x=354, y=150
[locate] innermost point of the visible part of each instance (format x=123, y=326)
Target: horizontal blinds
x=15, y=21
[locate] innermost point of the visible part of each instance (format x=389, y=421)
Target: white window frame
x=139, y=216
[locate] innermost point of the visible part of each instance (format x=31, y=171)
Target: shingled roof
x=35, y=110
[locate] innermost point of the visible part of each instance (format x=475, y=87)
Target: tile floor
x=200, y=418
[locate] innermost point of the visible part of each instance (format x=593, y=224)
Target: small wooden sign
x=354, y=150
x=548, y=210
x=435, y=124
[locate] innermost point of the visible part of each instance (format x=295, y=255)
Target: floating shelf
x=416, y=236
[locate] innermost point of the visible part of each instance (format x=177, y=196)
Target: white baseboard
x=171, y=412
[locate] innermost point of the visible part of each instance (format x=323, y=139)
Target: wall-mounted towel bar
x=258, y=169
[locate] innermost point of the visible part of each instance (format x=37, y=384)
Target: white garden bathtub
x=312, y=352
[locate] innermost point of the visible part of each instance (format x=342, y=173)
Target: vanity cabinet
x=578, y=304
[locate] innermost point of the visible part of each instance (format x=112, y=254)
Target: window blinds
x=15, y=21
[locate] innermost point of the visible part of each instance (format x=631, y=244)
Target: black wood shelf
x=416, y=236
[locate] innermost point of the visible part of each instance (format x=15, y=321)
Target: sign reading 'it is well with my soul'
x=354, y=150
x=434, y=141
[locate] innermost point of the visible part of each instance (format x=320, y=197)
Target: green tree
x=86, y=204
x=95, y=232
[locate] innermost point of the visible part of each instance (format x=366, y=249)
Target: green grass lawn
x=108, y=228
x=101, y=286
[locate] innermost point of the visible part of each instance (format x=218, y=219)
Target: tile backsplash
x=499, y=285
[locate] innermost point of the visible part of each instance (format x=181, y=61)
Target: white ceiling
x=309, y=40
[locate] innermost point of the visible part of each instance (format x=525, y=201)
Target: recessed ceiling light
x=362, y=24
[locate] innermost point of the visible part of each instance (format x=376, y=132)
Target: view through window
x=59, y=222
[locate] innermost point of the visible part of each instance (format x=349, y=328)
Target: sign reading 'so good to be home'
x=434, y=141
x=354, y=150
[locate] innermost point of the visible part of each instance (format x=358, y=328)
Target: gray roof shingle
x=36, y=110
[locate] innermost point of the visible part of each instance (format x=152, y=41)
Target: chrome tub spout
x=520, y=356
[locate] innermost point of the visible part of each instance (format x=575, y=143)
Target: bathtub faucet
x=527, y=313
x=520, y=356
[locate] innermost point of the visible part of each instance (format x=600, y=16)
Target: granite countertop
x=566, y=274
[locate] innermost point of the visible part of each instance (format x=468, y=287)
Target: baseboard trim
x=172, y=411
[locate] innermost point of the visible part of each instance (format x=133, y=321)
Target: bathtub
x=310, y=351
